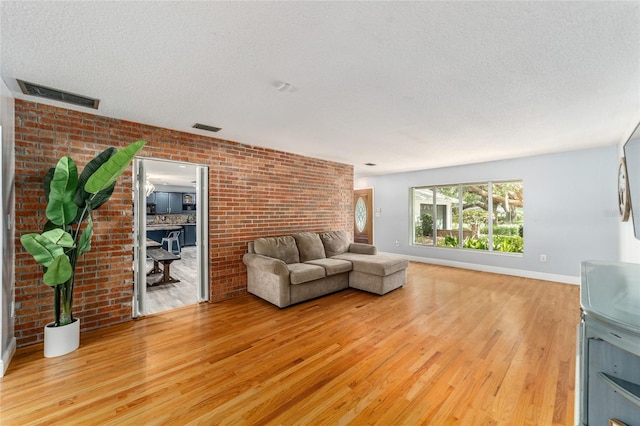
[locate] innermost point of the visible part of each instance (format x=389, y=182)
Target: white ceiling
x=405, y=85
x=164, y=174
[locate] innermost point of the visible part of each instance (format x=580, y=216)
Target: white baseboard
x=567, y=279
x=7, y=355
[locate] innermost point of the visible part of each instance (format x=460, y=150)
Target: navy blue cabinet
x=156, y=235
x=175, y=202
x=189, y=235
x=151, y=204
x=168, y=202
x=162, y=202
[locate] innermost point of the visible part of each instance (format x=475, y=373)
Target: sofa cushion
x=332, y=266
x=300, y=273
x=380, y=265
x=283, y=248
x=335, y=242
x=309, y=246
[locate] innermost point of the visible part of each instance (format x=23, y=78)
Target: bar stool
x=173, y=236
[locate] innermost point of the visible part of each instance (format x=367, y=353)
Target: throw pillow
x=309, y=246
x=335, y=242
x=283, y=248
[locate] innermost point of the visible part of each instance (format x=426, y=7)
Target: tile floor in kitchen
x=174, y=295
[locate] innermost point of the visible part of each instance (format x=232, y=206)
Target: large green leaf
x=61, y=209
x=85, y=239
x=59, y=271
x=48, y=226
x=81, y=196
x=109, y=172
x=102, y=196
x=43, y=250
x=59, y=237
x=46, y=182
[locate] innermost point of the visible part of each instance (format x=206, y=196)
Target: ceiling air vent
x=57, y=95
x=206, y=127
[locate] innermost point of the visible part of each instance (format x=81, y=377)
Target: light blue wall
x=570, y=212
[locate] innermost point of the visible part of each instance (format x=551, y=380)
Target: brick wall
x=253, y=192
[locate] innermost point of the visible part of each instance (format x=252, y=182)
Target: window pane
x=475, y=216
x=491, y=224
x=447, y=216
x=508, y=216
x=423, y=216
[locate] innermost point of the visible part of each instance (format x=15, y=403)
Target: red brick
x=253, y=192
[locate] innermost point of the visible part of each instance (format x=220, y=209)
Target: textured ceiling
x=405, y=85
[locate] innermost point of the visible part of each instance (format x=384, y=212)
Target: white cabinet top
x=610, y=291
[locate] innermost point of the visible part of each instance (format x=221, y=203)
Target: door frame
x=140, y=232
x=370, y=212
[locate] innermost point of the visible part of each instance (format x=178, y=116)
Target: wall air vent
x=57, y=95
x=206, y=127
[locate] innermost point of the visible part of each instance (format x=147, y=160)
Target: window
x=480, y=216
x=508, y=205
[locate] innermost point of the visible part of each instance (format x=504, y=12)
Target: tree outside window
x=492, y=216
x=508, y=216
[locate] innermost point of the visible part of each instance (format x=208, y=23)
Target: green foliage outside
x=418, y=233
x=512, y=230
x=506, y=212
x=449, y=241
x=510, y=244
x=426, y=221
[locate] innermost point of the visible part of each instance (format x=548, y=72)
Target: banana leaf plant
x=67, y=234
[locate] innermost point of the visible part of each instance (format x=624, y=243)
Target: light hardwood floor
x=452, y=346
x=163, y=297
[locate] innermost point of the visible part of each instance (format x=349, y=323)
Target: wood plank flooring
x=163, y=297
x=451, y=347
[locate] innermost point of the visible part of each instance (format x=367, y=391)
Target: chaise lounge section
x=291, y=269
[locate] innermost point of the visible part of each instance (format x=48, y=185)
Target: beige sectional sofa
x=294, y=268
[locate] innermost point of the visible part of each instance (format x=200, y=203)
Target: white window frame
x=434, y=192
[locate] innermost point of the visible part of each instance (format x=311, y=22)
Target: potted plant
x=67, y=234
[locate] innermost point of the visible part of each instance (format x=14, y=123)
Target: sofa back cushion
x=283, y=248
x=309, y=246
x=335, y=242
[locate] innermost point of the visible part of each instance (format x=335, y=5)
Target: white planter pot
x=61, y=340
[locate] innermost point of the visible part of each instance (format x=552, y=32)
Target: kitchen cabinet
x=175, y=202
x=162, y=202
x=608, y=352
x=168, y=202
x=189, y=235
x=156, y=235
x=188, y=202
x=151, y=204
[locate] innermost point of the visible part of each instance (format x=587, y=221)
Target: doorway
x=363, y=216
x=170, y=235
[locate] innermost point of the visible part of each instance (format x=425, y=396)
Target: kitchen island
x=157, y=232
